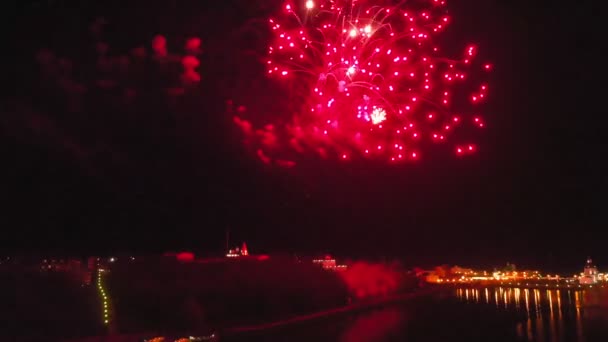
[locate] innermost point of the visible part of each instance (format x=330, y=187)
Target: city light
x=328, y=263
x=238, y=252
x=509, y=276
x=104, y=297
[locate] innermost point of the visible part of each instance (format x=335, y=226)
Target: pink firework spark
x=376, y=85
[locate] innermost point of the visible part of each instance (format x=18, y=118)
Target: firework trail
x=368, y=81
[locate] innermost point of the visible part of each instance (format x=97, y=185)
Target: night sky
x=165, y=174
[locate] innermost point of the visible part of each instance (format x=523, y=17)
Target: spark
x=378, y=115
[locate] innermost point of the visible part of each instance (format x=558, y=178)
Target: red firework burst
x=376, y=85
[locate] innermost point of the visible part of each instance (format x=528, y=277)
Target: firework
x=375, y=82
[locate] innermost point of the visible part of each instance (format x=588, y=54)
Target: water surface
x=465, y=314
x=548, y=314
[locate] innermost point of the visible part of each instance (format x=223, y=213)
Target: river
x=464, y=314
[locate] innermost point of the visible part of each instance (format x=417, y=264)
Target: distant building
x=243, y=254
x=238, y=252
x=460, y=270
x=590, y=274
x=328, y=263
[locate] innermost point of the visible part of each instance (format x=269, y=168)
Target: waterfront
x=465, y=314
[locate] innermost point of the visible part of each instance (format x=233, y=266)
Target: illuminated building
x=590, y=274
x=238, y=252
x=328, y=263
x=456, y=274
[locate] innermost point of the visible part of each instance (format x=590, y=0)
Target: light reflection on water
x=485, y=314
x=550, y=315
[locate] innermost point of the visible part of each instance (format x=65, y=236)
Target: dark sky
x=164, y=175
